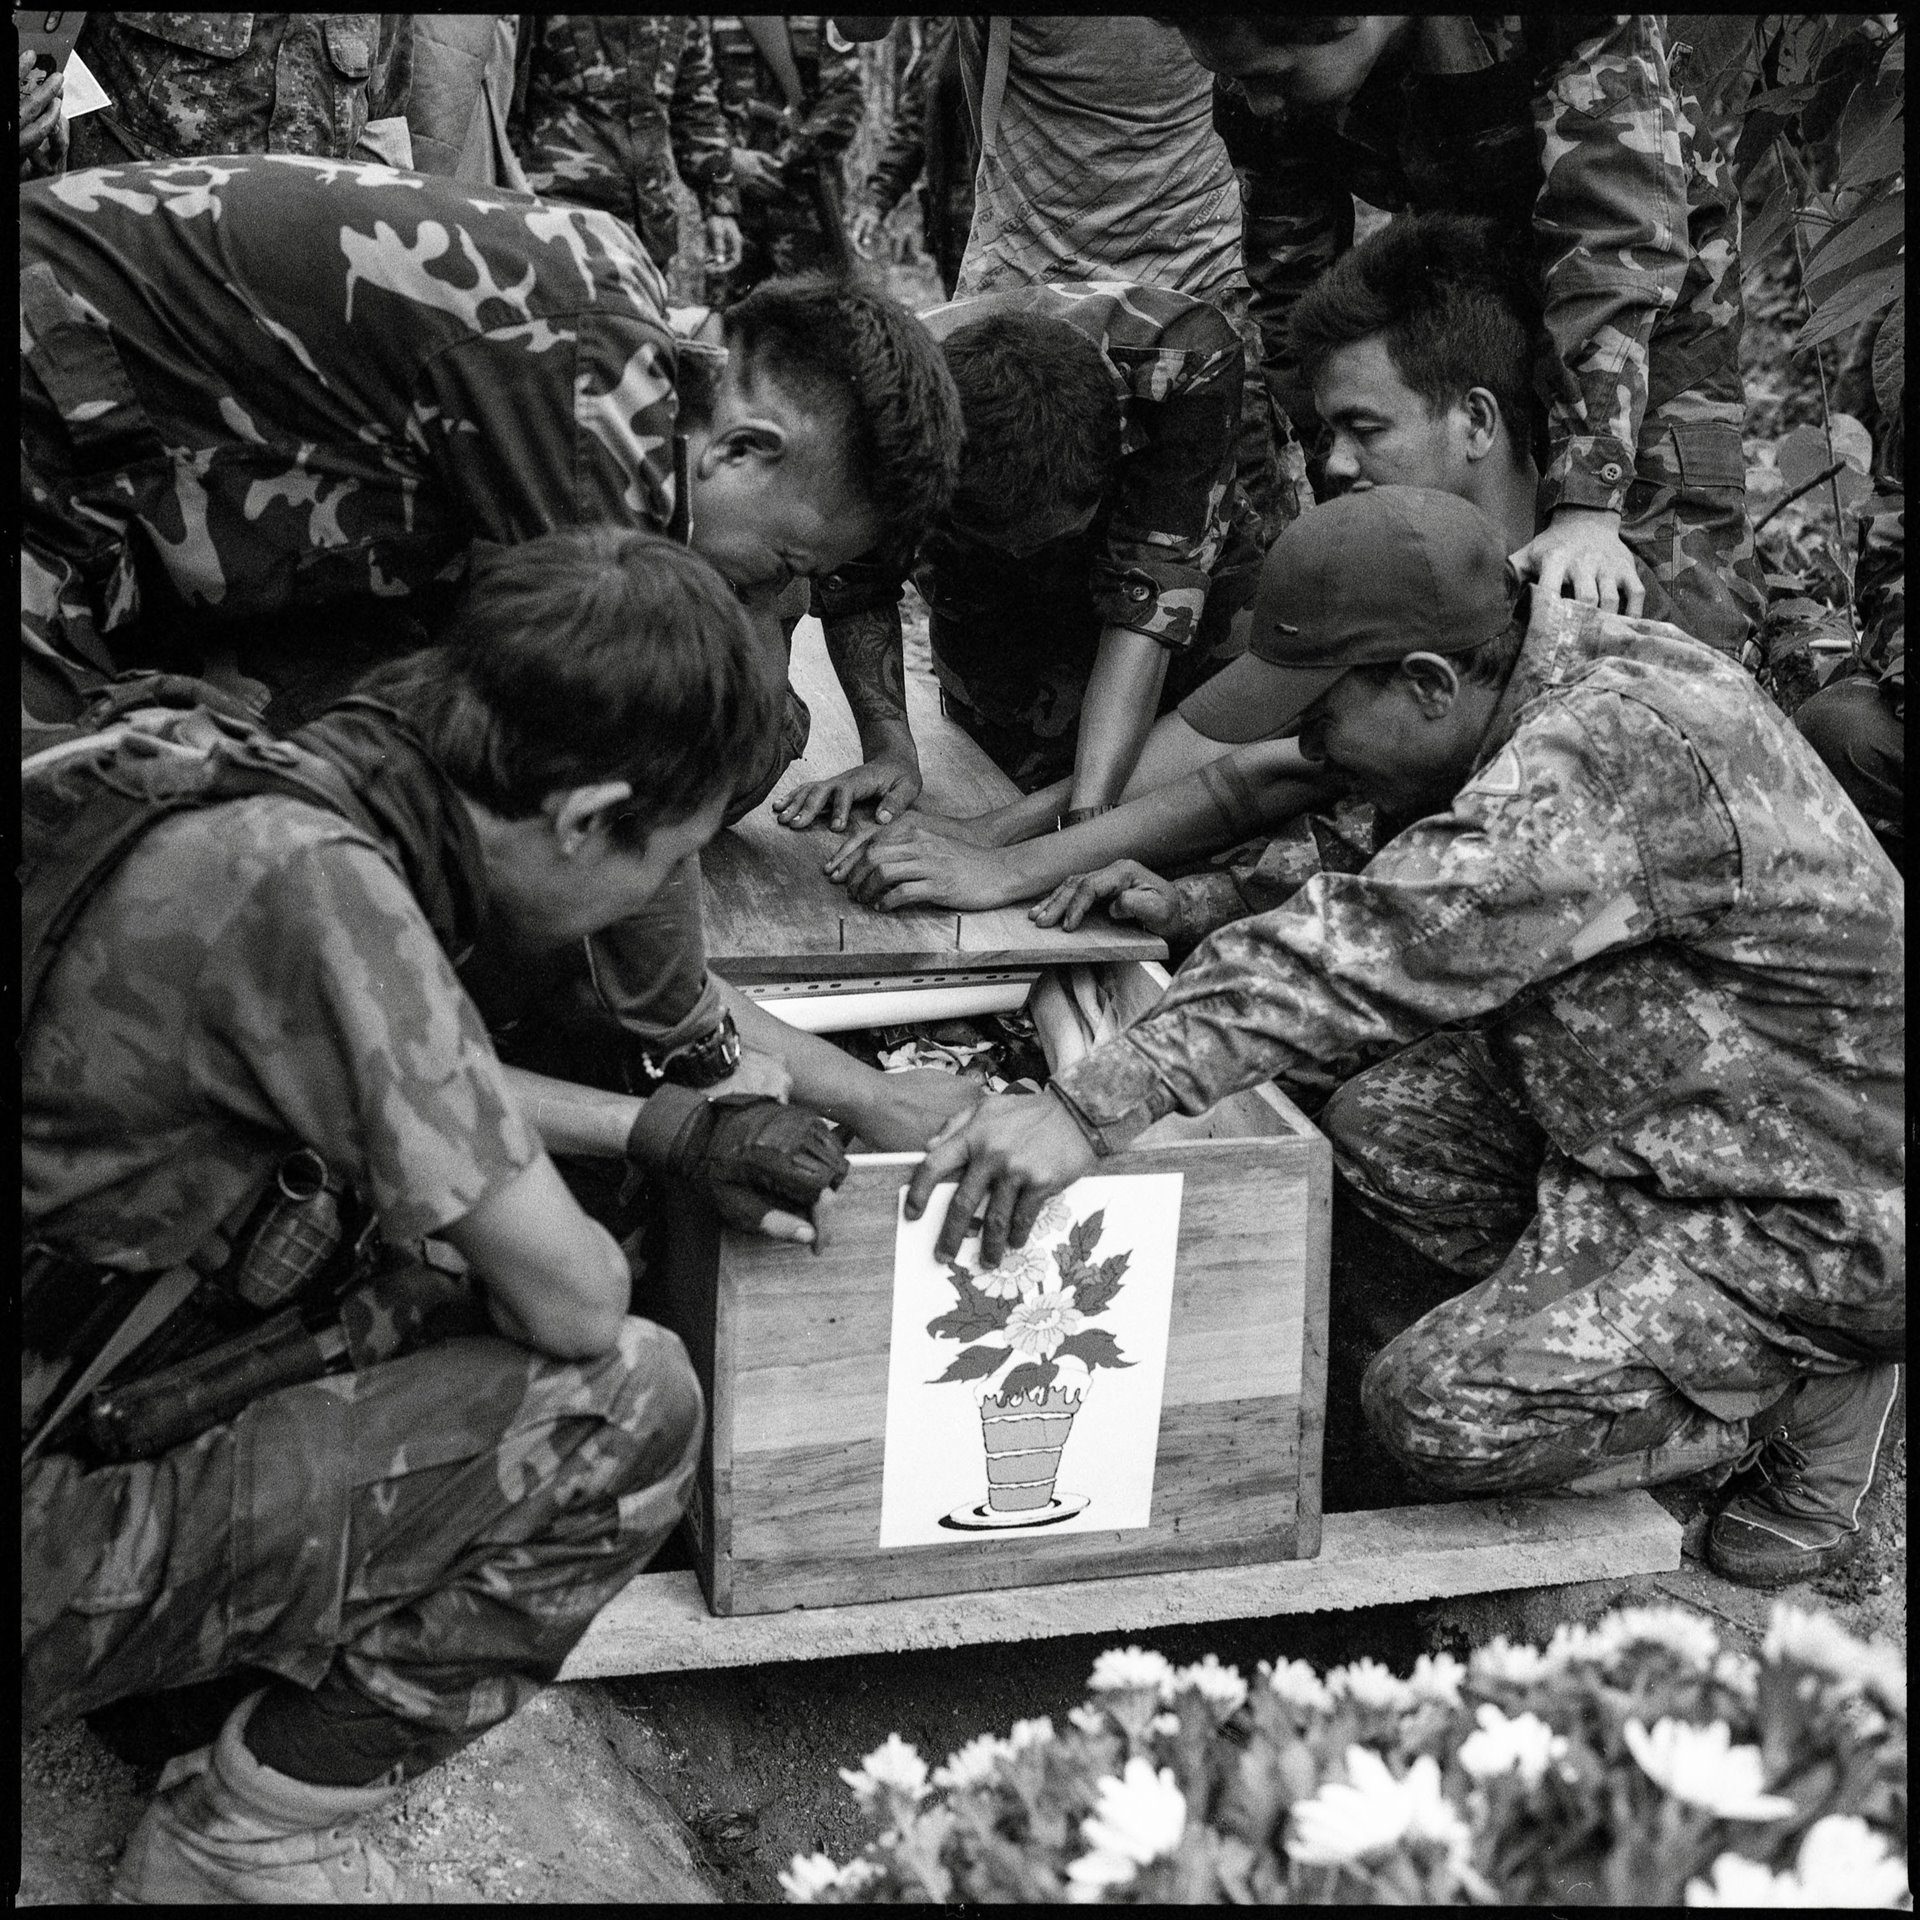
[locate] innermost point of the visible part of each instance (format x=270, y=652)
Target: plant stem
x=1826, y=420
x=1806, y=486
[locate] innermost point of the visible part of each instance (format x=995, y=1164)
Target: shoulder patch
x=1501, y=775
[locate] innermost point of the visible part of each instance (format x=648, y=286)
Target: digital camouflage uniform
x=614, y=102
x=184, y=84
x=783, y=235
x=1103, y=164
x=930, y=136
x=431, y=1532
x=1574, y=134
x=1173, y=553
x=1618, y=1037
x=432, y=365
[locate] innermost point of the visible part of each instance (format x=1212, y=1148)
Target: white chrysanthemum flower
x=974, y=1765
x=1373, y=1811
x=893, y=1766
x=1499, y=1745
x=1022, y=1270
x=1055, y=1218
x=1088, y=1719
x=1221, y=1686
x=1121, y=1668
x=811, y=1875
x=1041, y=1321
x=1684, y=1634
x=1089, y=1877
x=1368, y=1684
x=1575, y=1643
x=1029, y=1733
x=1843, y=1862
x=1819, y=1641
x=1703, y=1767
x=1140, y=1816
x=1437, y=1677
x=1498, y=1662
x=1299, y=1686
x=1164, y=1724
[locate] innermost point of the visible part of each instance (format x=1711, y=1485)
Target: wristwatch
x=699, y=1063
x=1074, y=815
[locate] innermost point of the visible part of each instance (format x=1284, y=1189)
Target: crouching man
x=1613, y=1030
x=257, y=995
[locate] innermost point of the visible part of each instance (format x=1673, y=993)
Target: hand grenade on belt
x=297, y=1237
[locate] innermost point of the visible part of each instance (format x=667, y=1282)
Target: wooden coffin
x=793, y=1352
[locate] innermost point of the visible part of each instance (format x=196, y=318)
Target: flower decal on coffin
x=1029, y=1349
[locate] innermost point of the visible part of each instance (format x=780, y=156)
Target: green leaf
x=1086, y=1236
x=1723, y=59
x=1763, y=232
x=1031, y=1377
x=1800, y=456
x=1093, y=1347
x=972, y=1363
x=1095, y=1293
x=1860, y=300
x=966, y=1323
x=1890, y=358
x=1882, y=220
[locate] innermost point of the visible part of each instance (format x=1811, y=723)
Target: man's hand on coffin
x=1132, y=892
x=922, y=868
x=1010, y=1155
x=763, y=1167
x=890, y=782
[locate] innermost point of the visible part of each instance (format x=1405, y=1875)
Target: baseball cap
x=1369, y=577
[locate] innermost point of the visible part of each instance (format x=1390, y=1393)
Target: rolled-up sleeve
x=1611, y=236
x=1168, y=521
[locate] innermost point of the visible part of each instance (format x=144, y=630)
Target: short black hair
x=1454, y=304
x=599, y=653
x=1042, y=415
x=847, y=348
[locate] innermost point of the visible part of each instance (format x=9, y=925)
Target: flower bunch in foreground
x=1633, y=1760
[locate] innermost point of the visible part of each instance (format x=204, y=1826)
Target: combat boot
x=1811, y=1459
x=224, y=1830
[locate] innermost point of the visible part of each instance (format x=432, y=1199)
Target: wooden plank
x=1224, y=1490
x=660, y=1623
x=772, y=914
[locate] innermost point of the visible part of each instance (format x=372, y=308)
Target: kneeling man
x=1613, y=1029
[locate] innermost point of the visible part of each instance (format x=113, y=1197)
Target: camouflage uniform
x=196, y=83
x=432, y=1532
x=1173, y=553
x=1104, y=165
x=435, y=364
x=782, y=235
x=1618, y=1036
x=930, y=135
x=607, y=96
x=1571, y=132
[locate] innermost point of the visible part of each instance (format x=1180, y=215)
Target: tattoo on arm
x=867, y=654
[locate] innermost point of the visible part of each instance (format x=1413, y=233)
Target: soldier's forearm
x=1117, y=714
x=571, y=1118
x=869, y=657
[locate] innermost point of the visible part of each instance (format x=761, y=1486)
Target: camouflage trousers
x=1595, y=1352
x=442, y=1527
x=1685, y=523
x=1014, y=641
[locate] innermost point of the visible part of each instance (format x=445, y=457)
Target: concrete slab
x=660, y=1624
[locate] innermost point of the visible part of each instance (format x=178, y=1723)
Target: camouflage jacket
x=1178, y=369
x=210, y=1011
x=756, y=108
x=1676, y=931
x=608, y=97
x=194, y=83
x=432, y=364
x=1572, y=132
x=1103, y=162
